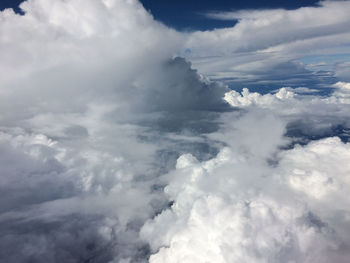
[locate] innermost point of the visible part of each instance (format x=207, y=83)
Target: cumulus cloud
x=238, y=208
x=91, y=103
x=254, y=202
x=309, y=115
x=112, y=149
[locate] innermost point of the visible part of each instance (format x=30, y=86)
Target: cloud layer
x=113, y=149
x=265, y=44
x=232, y=208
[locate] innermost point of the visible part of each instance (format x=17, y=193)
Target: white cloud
x=247, y=98
x=104, y=133
x=264, y=39
x=316, y=113
x=232, y=208
x=90, y=100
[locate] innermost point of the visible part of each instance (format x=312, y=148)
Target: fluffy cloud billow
x=114, y=149
x=236, y=207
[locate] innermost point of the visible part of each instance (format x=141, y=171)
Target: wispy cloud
x=266, y=39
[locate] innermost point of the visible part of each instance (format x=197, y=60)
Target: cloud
x=113, y=149
x=254, y=202
x=237, y=208
x=309, y=115
x=247, y=98
x=263, y=41
x=94, y=108
x=261, y=29
x=342, y=71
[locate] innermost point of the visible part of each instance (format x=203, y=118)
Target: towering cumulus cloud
x=114, y=149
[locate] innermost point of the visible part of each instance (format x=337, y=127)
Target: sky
x=188, y=15
x=130, y=134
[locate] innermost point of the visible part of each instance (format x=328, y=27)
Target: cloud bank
x=113, y=149
x=266, y=44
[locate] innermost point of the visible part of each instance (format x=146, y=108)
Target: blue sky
x=10, y=4
x=187, y=14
